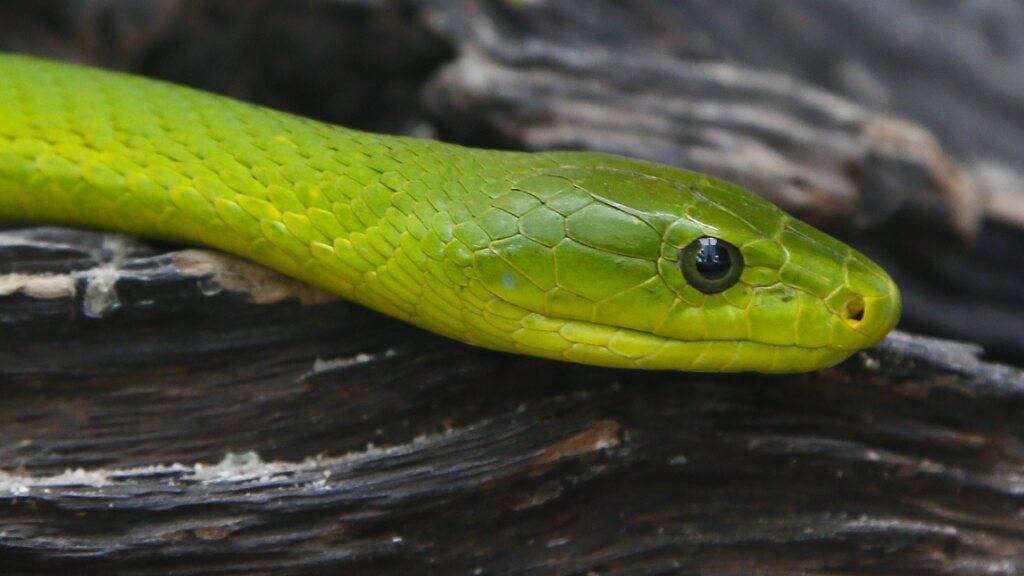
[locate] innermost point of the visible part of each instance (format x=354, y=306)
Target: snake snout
x=882, y=313
x=874, y=305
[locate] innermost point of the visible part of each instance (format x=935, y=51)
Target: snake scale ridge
x=576, y=256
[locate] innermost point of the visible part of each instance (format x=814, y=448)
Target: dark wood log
x=175, y=411
x=183, y=412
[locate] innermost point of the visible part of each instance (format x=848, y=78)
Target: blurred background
x=896, y=125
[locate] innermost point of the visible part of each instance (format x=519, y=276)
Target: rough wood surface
x=183, y=419
x=174, y=411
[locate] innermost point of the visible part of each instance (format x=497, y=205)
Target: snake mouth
x=862, y=320
x=617, y=347
x=849, y=320
x=859, y=322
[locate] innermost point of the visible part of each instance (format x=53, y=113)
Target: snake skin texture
x=564, y=255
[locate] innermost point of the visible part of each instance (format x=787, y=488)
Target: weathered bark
x=176, y=411
x=355, y=441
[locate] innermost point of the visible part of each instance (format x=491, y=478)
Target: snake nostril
x=855, y=309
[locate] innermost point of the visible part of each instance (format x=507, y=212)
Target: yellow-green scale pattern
x=563, y=255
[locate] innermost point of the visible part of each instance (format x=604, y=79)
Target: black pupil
x=713, y=260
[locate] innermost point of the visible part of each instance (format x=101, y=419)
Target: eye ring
x=711, y=264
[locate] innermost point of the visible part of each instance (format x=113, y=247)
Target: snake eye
x=711, y=265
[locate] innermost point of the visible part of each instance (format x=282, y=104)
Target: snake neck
x=389, y=222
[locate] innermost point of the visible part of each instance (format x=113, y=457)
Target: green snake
x=576, y=256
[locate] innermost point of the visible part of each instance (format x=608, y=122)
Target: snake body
x=568, y=255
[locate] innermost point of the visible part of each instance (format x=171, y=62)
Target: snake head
x=624, y=263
